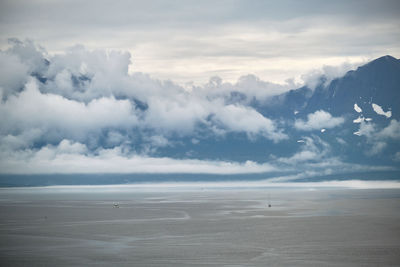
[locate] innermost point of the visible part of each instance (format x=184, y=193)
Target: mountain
x=348, y=128
x=375, y=82
x=368, y=98
x=361, y=135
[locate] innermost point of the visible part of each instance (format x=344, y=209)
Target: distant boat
x=116, y=205
x=269, y=201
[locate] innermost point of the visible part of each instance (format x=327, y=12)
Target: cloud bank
x=82, y=111
x=82, y=93
x=69, y=157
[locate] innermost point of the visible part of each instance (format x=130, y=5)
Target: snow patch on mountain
x=378, y=109
x=357, y=108
x=359, y=119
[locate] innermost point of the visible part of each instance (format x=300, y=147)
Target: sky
x=125, y=86
x=191, y=41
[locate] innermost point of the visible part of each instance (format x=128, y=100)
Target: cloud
x=82, y=75
x=318, y=120
x=72, y=157
x=392, y=131
x=255, y=88
x=236, y=118
x=13, y=74
x=68, y=157
x=327, y=73
x=376, y=148
x=396, y=156
x=315, y=158
x=89, y=97
x=55, y=115
x=229, y=38
x=313, y=149
x=177, y=113
x=32, y=55
x=378, y=139
x=82, y=111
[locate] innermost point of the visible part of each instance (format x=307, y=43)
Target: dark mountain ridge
x=375, y=82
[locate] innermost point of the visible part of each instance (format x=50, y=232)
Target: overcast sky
x=194, y=40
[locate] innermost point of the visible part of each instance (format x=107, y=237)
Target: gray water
x=52, y=227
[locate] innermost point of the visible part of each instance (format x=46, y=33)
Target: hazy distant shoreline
x=369, y=179
x=219, y=185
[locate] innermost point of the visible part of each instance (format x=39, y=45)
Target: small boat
x=116, y=205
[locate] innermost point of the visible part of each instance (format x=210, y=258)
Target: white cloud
x=237, y=118
x=69, y=157
x=82, y=75
x=312, y=149
x=318, y=120
x=378, y=138
x=86, y=91
x=253, y=87
x=315, y=158
x=154, y=142
x=159, y=140
x=327, y=73
x=68, y=147
x=305, y=155
x=376, y=148
x=82, y=111
x=341, y=141
x=55, y=114
x=180, y=112
x=32, y=55
x=396, y=156
x=392, y=131
x=13, y=74
x=366, y=129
